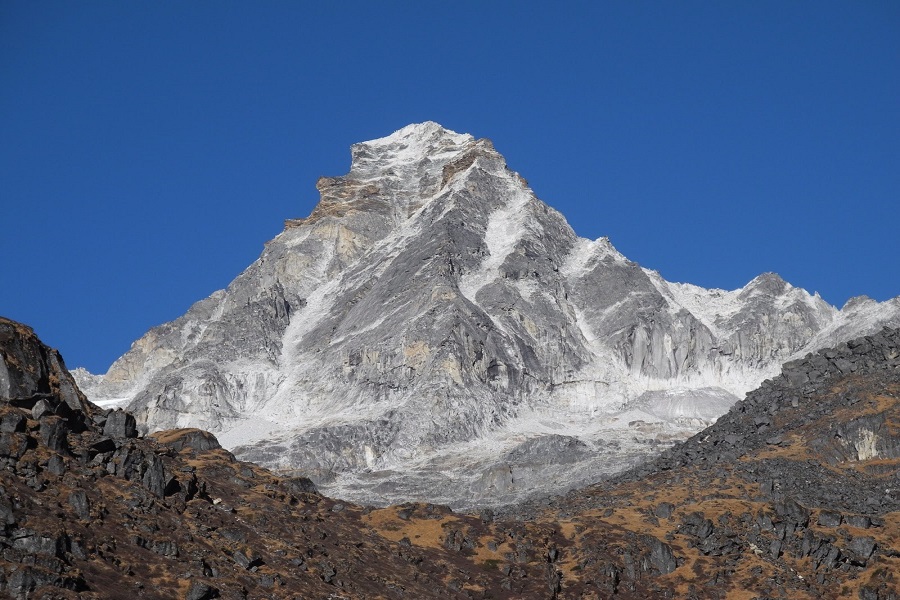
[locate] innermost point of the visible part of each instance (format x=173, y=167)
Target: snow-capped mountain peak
x=432, y=315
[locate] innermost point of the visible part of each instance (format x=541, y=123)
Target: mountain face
x=434, y=331
x=792, y=494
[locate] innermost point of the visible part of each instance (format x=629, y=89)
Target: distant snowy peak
x=399, y=174
x=408, y=146
x=587, y=255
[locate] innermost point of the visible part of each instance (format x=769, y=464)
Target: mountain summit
x=432, y=330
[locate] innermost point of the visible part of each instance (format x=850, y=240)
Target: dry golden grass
x=426, y=533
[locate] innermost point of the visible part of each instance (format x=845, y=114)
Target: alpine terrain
x=792, y=494
x=433, y=331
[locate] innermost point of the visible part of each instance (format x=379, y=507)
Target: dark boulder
x=41, y=408
x=829, y=518
x=120, y=424
x=697, y=525
x=12, y=422
x=56, y=465
x=664, y=510
x=200, y=590
x=861, y=548
x=31, y=371
x=14, y=445
x=54, y=434
x=299, y=485
x=79, y=502
x=859, y=521
x=791, y=510
x=136, y=464
x=662, y=560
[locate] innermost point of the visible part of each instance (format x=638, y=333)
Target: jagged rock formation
x=803, y=476
x=794, y=494
x=432, y=314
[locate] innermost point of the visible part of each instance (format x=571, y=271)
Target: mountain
x=793, y=493
x=432, y=330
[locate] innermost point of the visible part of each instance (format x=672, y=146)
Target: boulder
x=120, y=424
x=12, y=422
x=829, y=518
x=79, y=502
x=192, y=439
x=54, y=434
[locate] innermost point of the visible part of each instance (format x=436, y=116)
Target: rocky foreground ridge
x=794, y=493
x=434, y=331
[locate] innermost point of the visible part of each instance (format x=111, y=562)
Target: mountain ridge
x=432, y=314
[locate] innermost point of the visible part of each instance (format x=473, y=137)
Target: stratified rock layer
x=431, y=315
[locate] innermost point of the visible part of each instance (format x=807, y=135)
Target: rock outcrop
x=802, y=474
x=431, y=314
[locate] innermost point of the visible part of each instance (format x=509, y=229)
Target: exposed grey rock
x=664, y=510
x=860, y=521
x=7, y=516
x=56, y=465
x=12, y=423
x=14, y=445
x=862, y=548
x=246, y=560
x=33, y=542
x=697, y=525
x=662, y=560
x=136, y=465
x=299, y=485
x=54, y=434
x=79, y=502
x=432, y=315
x=30, y=372
x=120, y=424
x=41, y=408
x=829, y=518
x=790, y=509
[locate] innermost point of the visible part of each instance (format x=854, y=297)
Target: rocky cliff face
x=432, y=315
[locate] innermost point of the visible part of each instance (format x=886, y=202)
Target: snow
x=395, y=156
x=505, y=228
x=583, y=257
x=411, y=142
x=249, y=431
x=682, y=403
x=855, y=319
x=112, y=402
x=709, y=306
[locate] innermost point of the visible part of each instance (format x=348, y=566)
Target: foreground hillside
x=795, y=493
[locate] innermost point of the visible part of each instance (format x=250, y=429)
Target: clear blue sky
x=149, y=149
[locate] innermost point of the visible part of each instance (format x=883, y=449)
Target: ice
x=504, y=230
